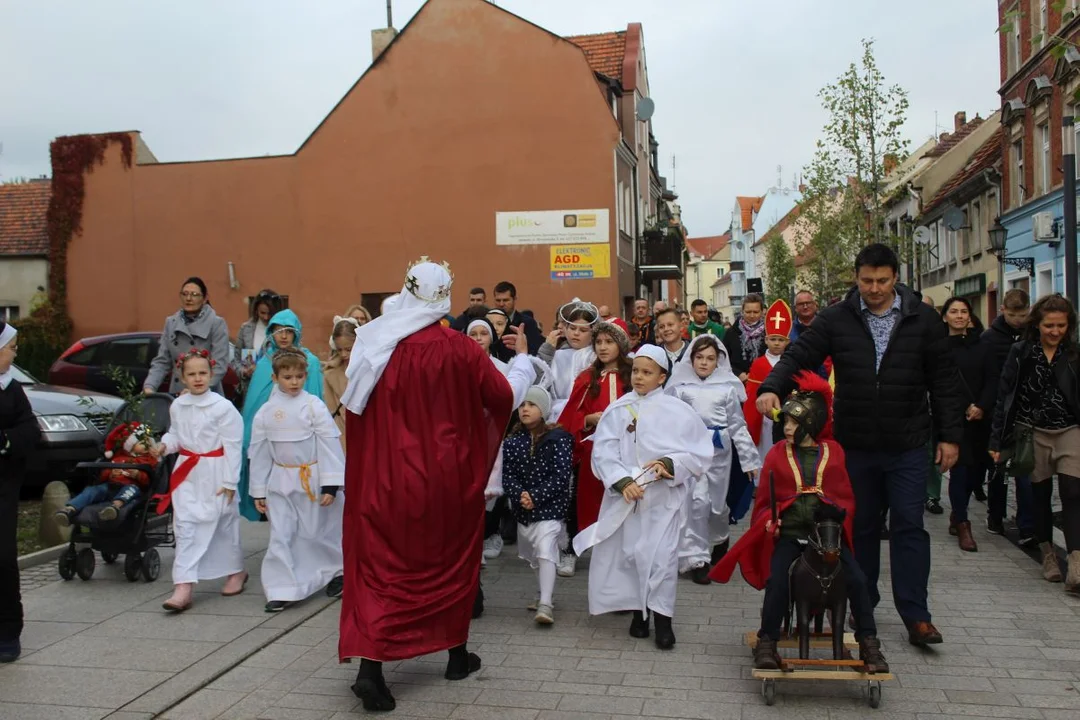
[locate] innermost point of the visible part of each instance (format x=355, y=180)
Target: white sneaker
x=493, y=546
x=545, y=614
x=567, y=565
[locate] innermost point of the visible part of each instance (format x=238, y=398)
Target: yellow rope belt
x=305, y=476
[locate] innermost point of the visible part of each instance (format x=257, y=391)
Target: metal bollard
x=55, y=497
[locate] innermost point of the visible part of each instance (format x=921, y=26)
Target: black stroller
x=138, y=529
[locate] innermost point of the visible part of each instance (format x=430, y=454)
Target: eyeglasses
x=191, y=295
x=804, y=303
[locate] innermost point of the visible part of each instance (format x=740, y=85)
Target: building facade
x=24, y=246
x=709, y=259
x=1037, y=91
x=459, y=146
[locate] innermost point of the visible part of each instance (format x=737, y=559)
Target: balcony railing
x=660, y=255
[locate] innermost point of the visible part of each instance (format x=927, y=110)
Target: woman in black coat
x=18, y=436
x=745, y=339
x=978, y=384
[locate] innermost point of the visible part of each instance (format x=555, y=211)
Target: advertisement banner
x=552, y=227
x=580, y=262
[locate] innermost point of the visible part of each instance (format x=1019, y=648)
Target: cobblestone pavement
x=104, y=649
x=38, y=576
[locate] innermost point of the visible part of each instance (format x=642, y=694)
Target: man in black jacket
x=892, y=364
x=1000, y=336
x=506, y=300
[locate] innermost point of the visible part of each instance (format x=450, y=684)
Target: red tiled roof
x=706, y=247
x=604, y=51
x=988, y=154
x=22, y=218
x=749, y=206
x=947, y=142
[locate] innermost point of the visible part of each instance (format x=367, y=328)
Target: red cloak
x=590, y=491
x=753, y=552
x=417, y=462
x=758, y=372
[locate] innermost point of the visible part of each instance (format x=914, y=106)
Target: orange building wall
x=471, y=111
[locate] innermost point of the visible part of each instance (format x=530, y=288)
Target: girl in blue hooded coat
x=283, y=331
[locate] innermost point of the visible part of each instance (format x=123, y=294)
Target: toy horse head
x=828, y=534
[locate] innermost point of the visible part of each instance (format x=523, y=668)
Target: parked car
x=86, y=364
x=73, y=425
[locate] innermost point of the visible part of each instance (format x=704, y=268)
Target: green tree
x=842, y=203
x=779, y=269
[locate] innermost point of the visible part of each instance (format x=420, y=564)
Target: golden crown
x=413, y=285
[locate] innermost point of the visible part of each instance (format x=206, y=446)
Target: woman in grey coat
x=252, y=334
x=194, y=326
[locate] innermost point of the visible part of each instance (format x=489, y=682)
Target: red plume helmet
x=808, y=381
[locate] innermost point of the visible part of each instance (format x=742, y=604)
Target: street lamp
x=998, y=235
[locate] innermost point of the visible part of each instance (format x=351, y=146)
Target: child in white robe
x=647, y=449
x=297, y=468
x=577, y=321
x=208, y=433
x=703, y=379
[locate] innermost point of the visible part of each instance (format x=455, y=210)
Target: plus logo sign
x=777, y=319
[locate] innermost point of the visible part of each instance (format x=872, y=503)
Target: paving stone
x=23, y=682
x=85, y=651
x=24, y=711
x=40, y=634
x=206, y=704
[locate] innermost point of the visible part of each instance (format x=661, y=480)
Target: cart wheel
x=874, y=696
x=67, y=564
x=132, y=563
x=151, y=565
x=768, y=691
x=109, y=557
x=84, y=564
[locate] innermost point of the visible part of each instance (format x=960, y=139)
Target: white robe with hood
x=304, y=553
x=566, y=365
x=207, y=527
x=717, y=400
x=635, y=549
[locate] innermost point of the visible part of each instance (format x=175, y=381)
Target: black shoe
x=639, y=626
x=995, y=526
x=700, y=575
x=870, y=654
x=665, y=637
x=461, y=664
x=336, y=587
x=370, y=687
x=719, y=551
x=765, y=655
x=10, y=650
x=933, y=506
x=276, y=606
x=979, y=493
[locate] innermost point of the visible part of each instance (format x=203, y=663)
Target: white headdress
x=7, y=335
x=338, y=319
x=424, y=300
x=684, y=373
x=658, y=355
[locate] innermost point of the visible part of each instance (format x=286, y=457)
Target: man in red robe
x=426, y=413
x=805, y=472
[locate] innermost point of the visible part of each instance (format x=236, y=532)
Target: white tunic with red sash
x=208, y=432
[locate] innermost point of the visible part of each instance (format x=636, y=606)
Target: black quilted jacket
x=887, y=409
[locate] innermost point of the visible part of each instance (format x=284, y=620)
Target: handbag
x=1019, y=459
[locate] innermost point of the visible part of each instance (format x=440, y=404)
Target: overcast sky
x=734, y=82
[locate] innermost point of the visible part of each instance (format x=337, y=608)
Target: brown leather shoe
x=964, y=537
x=870, y=654
x=923, y=634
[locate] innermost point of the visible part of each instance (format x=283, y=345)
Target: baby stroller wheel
x=109, y=557
x=132, y=563
x=84, y=564
x=67, y=564
x=151, y=565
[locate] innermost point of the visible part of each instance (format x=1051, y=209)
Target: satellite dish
x=953, y=219
x=738, y=245
x=922, y=235
x=645, y=108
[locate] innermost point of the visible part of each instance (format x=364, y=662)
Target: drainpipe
x=1068, y=162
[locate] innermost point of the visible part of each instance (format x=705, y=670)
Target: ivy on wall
x=45, y=333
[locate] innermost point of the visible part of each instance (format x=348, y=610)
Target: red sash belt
x=181, y=472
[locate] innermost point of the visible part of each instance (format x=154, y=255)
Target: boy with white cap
x=647, y=449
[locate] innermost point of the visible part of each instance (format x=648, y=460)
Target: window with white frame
x=719, y=273
x=948, y=250
x=1018, y=173
x=933, y=248
x=1012, y=48
x=1044, y=279
x=1042, y=168
x=975, y=225
x=1043, y=19
x=9, y=313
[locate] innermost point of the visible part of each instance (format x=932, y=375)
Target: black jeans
x=11, y=609
x=997, y=494
x=1069, y=490
x=788, y=551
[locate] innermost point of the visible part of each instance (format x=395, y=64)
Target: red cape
x=590, y=491
x=417, y=462
x=753, y=552
x=758, y=372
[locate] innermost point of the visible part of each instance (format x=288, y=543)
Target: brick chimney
x=959, y=120
x=890, y=162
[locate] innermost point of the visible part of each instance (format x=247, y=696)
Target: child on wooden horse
x=798, y=475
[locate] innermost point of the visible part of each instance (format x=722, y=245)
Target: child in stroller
x=129, y=444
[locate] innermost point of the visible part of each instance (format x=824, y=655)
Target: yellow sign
x=580, y=262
